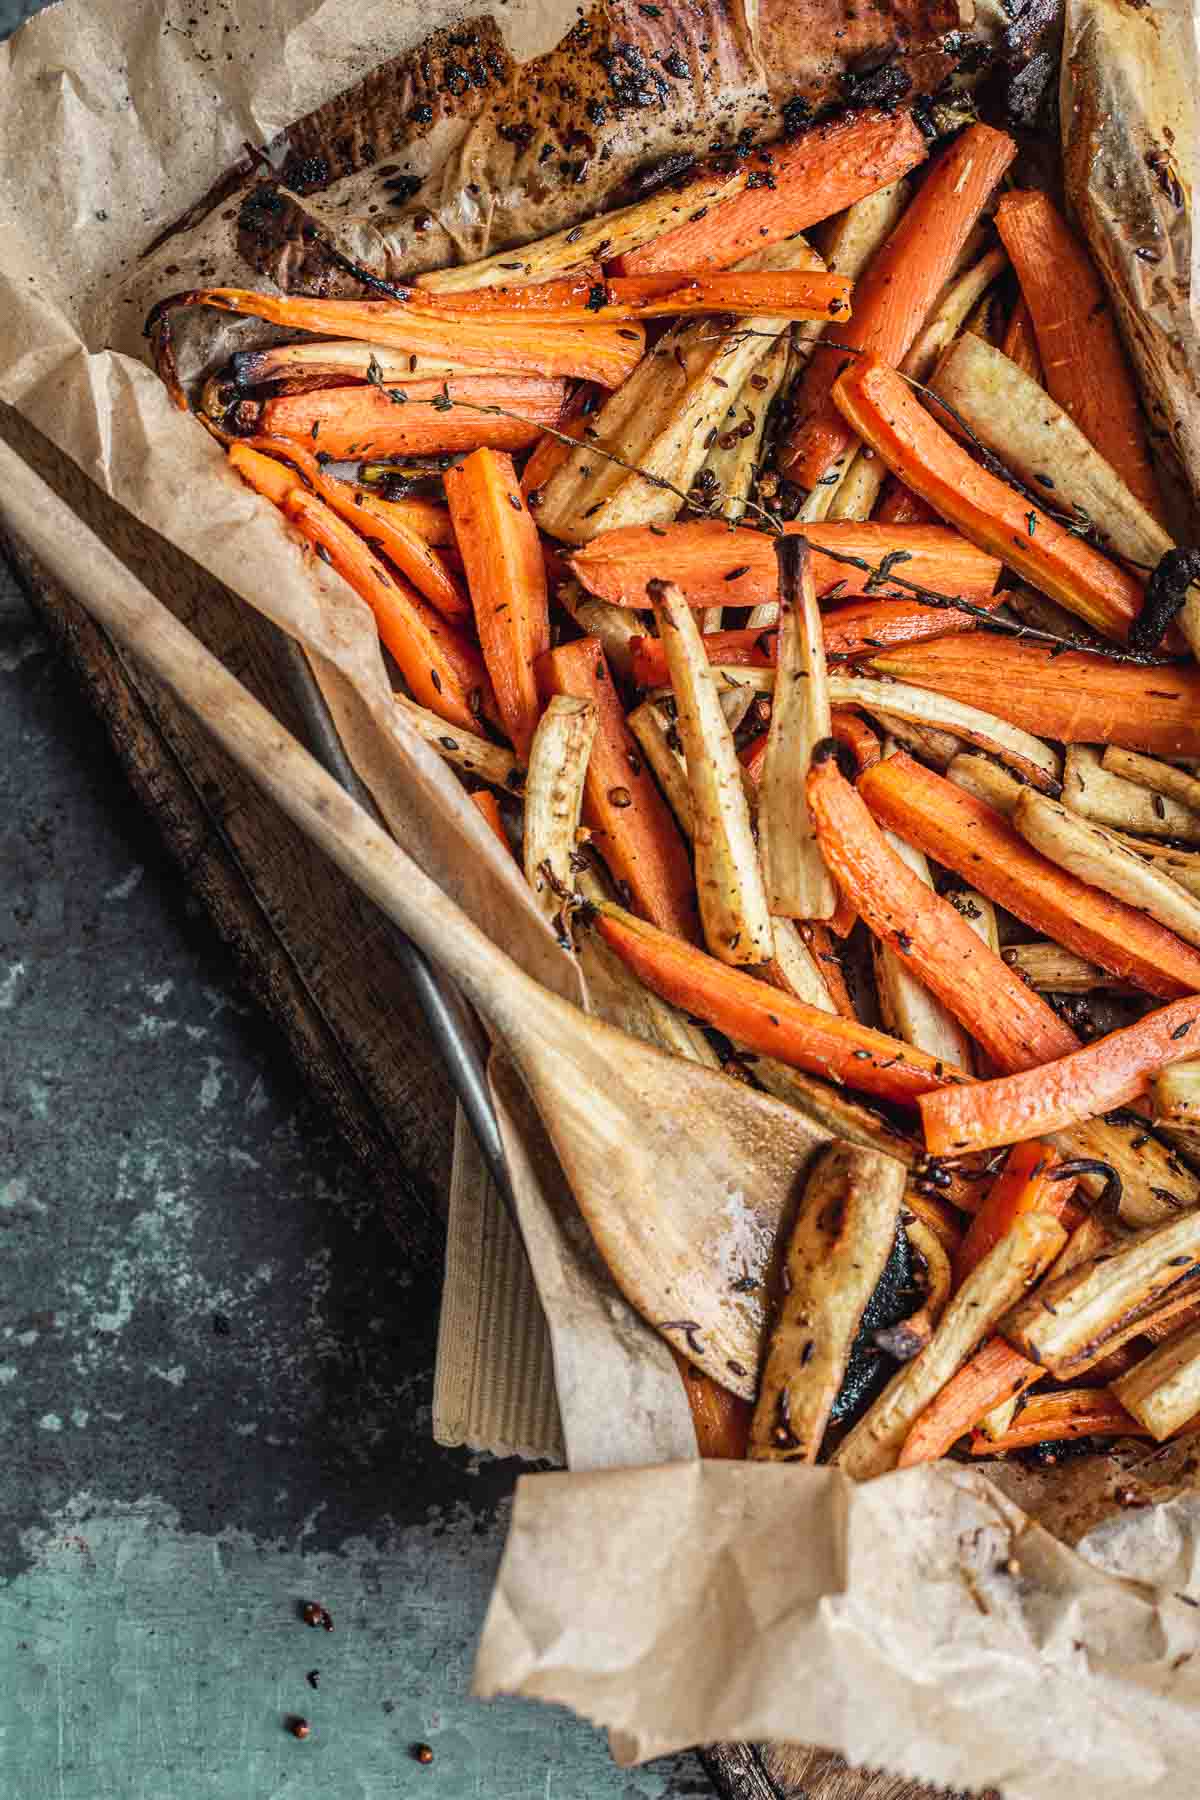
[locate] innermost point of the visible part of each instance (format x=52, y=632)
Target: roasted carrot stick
x=789, y=294
x=506, y=578
x=883, y=410
x=375, y=520
x=1109, y=1072
x=443, y=669
x=817, y=937
x=996, y=1372
x=722, y=1419
x=848, y=631
x=1025, y=1184
x=1020, y=341
x=486, y=803
x=544, y=346
x=894, y=295
x=768, y=1021
x=425, y=517
x=1084, y=364
x=1055, y=1418
x=981, y=845
x=1015, y=1026
x=847, y=727
x=1073, y=696
x=900, y=506
x=549, y=453
x=631, y=824
x=363, y=421
x=815, y=176
x=715, y=566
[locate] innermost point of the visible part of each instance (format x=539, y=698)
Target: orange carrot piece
x=768, y=1021
x=1083, y=361
x=1025, y=1184
x=1073, y=696
x=714, y=566
x=443, y=669
x=1020, y=342
x=548, y=453
x=631, y=824
x=265, y=474
x=375, y=520
x=543, y=346
x=486, y=803
x=426, y=517
x=722, y=1420
x=1109, y=1072
x=506, y=578
x=790, y=294
x=362, y=421
x=1015, y=1026
x=850, y=631
x=900, y=506
x=938, y=1214
x=996, y=1372
x=978, y=843
x=809, y=179
x=881, y=407
x=896, y=292
x=816, y=935
x=1059, y=1417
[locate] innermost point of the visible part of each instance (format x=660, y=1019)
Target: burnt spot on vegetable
x=1166, y=593
x=869, y=1366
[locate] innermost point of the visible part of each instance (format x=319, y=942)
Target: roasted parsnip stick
x=989, y=1291
x=615, y=626
x=1032, y=759
x=986, y=781
x=1160, y=777
x=733, y=901
x=1176, y=1094
x=1052, y=970
x=667, y=764
x=1163, y=1390
x=558, y=760
x=1073, y=1319
x=1039, y=441
x=473, y=755
x=795, y=969
x=830, y=1108
x=1107, y=799
x=838, y=1250
x=1088, y=851
x=1155, y=1185
x=798, y=884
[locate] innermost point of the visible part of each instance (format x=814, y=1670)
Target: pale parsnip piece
x=1163, y=1390
x=1050, y=969
x=1004, y=1274
x=986, y=781
x=1090, y=853
x=554, y=780
x=798, y=884
x=899, y=705
x=667, y=765
x=733, y=901
x=615, y=626
x=979, y=913
x=838, y=1249
x=1013, y=415
x=605, y=236
x=1074, y=1319
x=795, y=966
x=1107, y=799
x=473, y=755
x=1176, y=1094
x=830, y=1108
x=1150, y=772
x=1155, y=1185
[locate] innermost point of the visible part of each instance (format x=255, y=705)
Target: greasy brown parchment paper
x=923, y=1621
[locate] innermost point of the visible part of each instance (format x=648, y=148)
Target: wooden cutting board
x=297, y=930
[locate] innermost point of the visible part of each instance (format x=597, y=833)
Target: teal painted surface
x=145, y=1663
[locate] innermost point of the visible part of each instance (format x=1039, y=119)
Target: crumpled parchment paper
x=927, y=1621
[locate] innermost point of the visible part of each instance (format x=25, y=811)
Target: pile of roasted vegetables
x=802, y=612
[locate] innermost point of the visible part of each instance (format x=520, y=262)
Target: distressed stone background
x=215, y=1366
